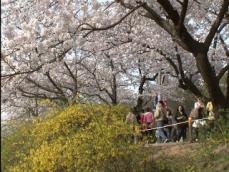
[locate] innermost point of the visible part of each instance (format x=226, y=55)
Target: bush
x=79, y=138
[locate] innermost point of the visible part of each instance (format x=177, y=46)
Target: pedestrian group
x=159, y=121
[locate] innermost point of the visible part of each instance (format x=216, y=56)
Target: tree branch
x=40, y=86
x=37, y=95
x=216, y=24
x=185, y=40
x=55, y=85
x=180, y=66
x=182, y=16
x=172, y=13
x=73, y=77
x=153, y=78
x=226, y=49
x=223, y=71
x=96, y=95
x=60, y=56
x=92, y=28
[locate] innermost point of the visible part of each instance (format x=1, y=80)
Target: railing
x=189, y=121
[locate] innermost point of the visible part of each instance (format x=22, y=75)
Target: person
x=181, y=116
x=149, y=121
x=159, y=97
x=211, y=115
x=149, y=118
x=209, y=108
x=143, y=120
x=132, y=121
x=159, y=118
x=172, y=131
x=166, y=122
x=155, y=101
x=198, y=104
x=196, y=114
x=131, y=118
x=165, y=102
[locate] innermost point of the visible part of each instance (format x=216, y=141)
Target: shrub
x=78, y=138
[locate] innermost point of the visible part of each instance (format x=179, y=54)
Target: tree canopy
x=66, y=50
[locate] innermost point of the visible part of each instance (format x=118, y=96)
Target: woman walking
x=181, y=116
x=172, y=131
x=160, y=117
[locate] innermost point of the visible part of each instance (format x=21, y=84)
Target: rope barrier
x=172, y=124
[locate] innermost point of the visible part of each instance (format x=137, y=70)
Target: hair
x=162, y=103
x=170, y=112
x=158, y=109
x=148, y=109
x=210, y=99
x=181, y=107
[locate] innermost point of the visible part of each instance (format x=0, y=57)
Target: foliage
x=219, y=133
x=79, y=138
x=211, y=155
x=15, y=142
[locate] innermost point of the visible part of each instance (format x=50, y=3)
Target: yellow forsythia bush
x=81, y=138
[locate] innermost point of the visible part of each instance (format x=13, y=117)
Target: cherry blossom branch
x=96, y=80
x=124, y=4
x=55, y=85
x=193, y=74
x=37, y=95
x=226, y=49
x=95, y=95
x=73, y=77
x=109, y=6
x=173, y=14
x=185, y=40
x=118, y=44
x=93, y=28
x=223, y=71
x=216, y=24
x=152, y=78
x=21, y=73
x=181, y=3
x=180, y=66
x=184, y=82
x=60, y=57
x=41, y=86
x=182, y=16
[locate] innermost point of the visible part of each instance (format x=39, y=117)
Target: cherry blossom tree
x=102, y=51
x=180, y=20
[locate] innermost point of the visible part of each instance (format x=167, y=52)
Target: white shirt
x=198, y=105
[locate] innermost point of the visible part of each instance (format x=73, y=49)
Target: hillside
x=96, y=138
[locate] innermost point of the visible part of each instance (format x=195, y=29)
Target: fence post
x=190, y=129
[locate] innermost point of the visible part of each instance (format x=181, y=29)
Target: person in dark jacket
x=181, y=116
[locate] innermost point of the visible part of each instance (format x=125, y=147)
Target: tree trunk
x=210, y=79
x=138, y=107
x=114, y=90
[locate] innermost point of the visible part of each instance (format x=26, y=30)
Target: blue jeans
x=161, y=134
x=181, y=132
